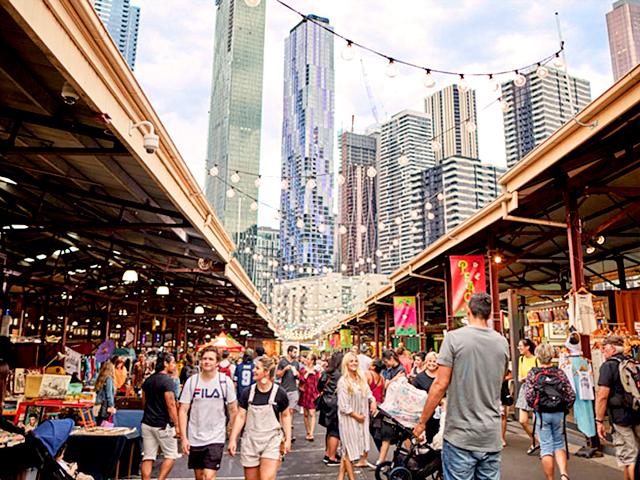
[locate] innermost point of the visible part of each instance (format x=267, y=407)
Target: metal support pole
x=447, y=296
x=622, y=275
x=421, y=329
x=495, y=294
x=137, y=339
x=358, y=338
x=107, y=321
x=376, y=337
x=514, y=335
x=387, y=336
x=574, y=240
x=65, y=322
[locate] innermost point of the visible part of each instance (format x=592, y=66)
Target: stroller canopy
x=53, y=433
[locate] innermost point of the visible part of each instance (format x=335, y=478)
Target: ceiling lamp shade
x=198, y=310
x=162, y=290
x=233, y=326
x=130, y=276
x=219, y=317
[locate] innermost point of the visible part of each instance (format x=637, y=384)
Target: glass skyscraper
x=122, y=21
x=236, y=114
x=307, y=230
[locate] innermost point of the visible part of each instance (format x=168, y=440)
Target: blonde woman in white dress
x=354, y=403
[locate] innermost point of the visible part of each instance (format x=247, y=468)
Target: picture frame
x=19, y=381
x=54, y=386
x=35, y=411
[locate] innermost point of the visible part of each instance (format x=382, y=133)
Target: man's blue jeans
x=460, y=464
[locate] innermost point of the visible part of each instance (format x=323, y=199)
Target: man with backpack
x=550, y=396
x=618, y=393
x=202, y=415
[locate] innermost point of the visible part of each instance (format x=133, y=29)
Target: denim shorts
x=550, y=429
x=460, y=464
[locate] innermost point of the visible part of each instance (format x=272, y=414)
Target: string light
x=590, y=249
x=300, y=223
x=504, y=105
x=520, y=80
x=235, y=178
x=403, y=160
x=231, y=193
x=322, y=228
x=342, y=230
x=214, y=171
x=277, y=216
x=414, y=214
x=429, y=80
x=471, y=127
x=363, y=228
x=311, y=184
x=440, y=196
x=254, y=206
x=493, y=84
x=252, y=3
x=398, y=221
x=371, y=172
x=380, y=225
x=348, y=52
x=435, y=145
x=340, y=179
x=431, y=216
x=392, y=69
x=558, y=62
x=463, y=86
x=428, y=205
x=284, y=184
x=542, y=71
x=258, y=181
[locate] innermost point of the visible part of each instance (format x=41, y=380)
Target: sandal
x=532, y=449
x=564, y=475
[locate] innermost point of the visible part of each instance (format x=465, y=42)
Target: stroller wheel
x=383, y=470
x=400, y=473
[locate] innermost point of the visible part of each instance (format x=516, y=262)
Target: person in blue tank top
x=243, y=376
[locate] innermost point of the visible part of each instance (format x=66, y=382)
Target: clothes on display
x=582, y=315
x=580, y=374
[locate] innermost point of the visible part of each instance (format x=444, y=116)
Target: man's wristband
x=599, y=421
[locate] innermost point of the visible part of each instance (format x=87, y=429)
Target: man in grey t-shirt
x=473, y=361
x=287, y=372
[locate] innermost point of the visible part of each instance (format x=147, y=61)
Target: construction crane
x=372, y=100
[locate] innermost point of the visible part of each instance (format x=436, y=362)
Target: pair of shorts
x=293, y=399
x=207, y=456
x=626, y=440
x=550, y=430
x=162, y=438
x=254, y=449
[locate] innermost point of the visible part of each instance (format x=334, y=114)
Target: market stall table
x=98, y=450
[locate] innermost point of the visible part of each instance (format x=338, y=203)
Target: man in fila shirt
x=202, y=415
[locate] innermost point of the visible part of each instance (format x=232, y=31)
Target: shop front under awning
x=82, y=201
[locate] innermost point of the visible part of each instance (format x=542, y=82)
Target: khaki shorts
x=293, y=399
x=252, y=451
x=154, y=437
x=626, y=440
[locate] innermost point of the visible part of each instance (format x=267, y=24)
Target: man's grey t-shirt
x=478, y=358
x=288, y=380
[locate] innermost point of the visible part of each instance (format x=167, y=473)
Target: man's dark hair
x=259, y=351
x=33, y=415
x=225, y=354
x=480, y=305
x=291, y=349
x=389, y=354
x=247, y=358
x=162, y=358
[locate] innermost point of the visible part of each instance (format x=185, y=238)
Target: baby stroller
x=51, y=435
x=420, y=461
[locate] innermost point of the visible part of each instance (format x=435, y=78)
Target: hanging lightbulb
x=254, y=206
x=371, y=172
x=252, y=3
x=493, y=84
x=403, y=160
x=430, y=216
x=284, y=184
x=231, y=193
x=398, y=220
x=363, y=228
x=440, y=196
x=520, y=80
x=311, y=184
x=340, y=179
x=322, y=228
x=504, y=105
x=558, y=62
x=235, y=178
x=395, y=242
x=463, y=86
x=348, y=52
x=214, y=171
x=429, y=81
x=542, y=71
x=300, y=223
x=381, y=226
x=258, y=182
x=414, y=214
x=392, y=69
x=277, y=215
x=471, y=126
x=343, y=267
x=428, y=205
x=378, y=253
x=342, y=230
x=435, y=145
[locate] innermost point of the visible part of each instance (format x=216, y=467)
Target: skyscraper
x=358, y=206
x=307, y=224
x=623, y=25
x=454, y=190
x=259, y=256
x=236, y=113
x=405, y=152
x=454, y=120
x=539, y=108
x=122, y=21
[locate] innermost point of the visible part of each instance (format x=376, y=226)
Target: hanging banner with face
x=467, y=279
x=405, y=315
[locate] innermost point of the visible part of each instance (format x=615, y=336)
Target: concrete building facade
x=260, y=257
x=122, y=21
x=623, y=26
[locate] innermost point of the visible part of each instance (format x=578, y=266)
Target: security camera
x=68, y=94
x=150, y=141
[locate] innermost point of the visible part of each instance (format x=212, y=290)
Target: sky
x=175, y=57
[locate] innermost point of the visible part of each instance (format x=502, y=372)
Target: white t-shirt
x=364, y=362
x=207, y=419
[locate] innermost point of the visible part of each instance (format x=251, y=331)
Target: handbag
x=505, y=395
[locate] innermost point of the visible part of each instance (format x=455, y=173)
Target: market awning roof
x=599, y=167
x=81, y=199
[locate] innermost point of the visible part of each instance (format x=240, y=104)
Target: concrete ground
x=305, y=461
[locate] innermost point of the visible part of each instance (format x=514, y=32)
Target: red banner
x=467, y=279
x=405, y=315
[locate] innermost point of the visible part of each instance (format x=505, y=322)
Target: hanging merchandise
x=586, y=388
x=582, y=316
x=467, y=279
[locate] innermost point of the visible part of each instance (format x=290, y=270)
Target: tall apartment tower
x=358, y=205
x=538, y=109
x=307, y=230
x=623, y=25
x=122, y=21
x=451, y=112
x=400, y=229
x=455, y=189
x=236, y=113
x=260, y=258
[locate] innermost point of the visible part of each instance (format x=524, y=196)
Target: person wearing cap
x=364, y=358
x=625, y=422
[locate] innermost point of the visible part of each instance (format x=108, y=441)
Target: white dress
x=353, y=435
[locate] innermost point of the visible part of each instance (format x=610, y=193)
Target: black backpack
x=550, y=397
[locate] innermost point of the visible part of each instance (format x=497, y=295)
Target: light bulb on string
x=363, y=228
x=504, y=105
x=435, y=145
x=340, y=179
x=258, y=182
x=252, y=3
x=520, y=80
x=463, y=86
x=428, y=205
x=311, y=184
x=493, y=84
x=254, y=206
x=414, y=214
x=558, y=62
x=322, y=228
x=471, y=126
x=378, y=253
x=371, y=172
x=284, y=184
x=542, y=71
x=429, y=80
x=214, y=171
x=398, y=221
x=392, y=69
x=381, y=226
x=440, y=196
x=300, y=223
x=342, y=230
x=430, y=216
x=277, y=215
x=348, y=52
x=231, y=193
x=403, y=160
x=235, y=178
x=395, y=242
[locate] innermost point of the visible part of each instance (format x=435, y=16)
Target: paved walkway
x=305, y=461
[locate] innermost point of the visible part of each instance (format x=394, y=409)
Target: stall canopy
x=83, y=201
x=223, y=342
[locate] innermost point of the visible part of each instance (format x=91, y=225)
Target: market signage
x=467, y=279
x=345, y=338
x=405, y=315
